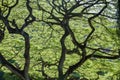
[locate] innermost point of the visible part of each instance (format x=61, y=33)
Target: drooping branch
x=103, y=57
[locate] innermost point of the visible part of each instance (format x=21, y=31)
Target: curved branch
x=91, y=25
x=63, y=53
x=9, y=8
x=26, y=55
x=30, y=18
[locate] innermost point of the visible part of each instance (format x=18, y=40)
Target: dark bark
x=23, y=74
x=67, y=13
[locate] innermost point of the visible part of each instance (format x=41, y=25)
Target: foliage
x=68, y=39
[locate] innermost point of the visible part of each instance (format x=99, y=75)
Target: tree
x=78, y=24
x=13, y=28
x=63, y=13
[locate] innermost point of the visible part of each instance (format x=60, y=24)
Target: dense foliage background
x=59, y=40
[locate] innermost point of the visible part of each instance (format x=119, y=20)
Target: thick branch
x=62, y=58
x=26, y=54
x=11, y=67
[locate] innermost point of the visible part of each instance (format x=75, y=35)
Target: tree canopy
x=59, y=39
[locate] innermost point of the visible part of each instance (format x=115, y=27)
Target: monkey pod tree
x=85, y=26
x=74, y=17
x=12, y=27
